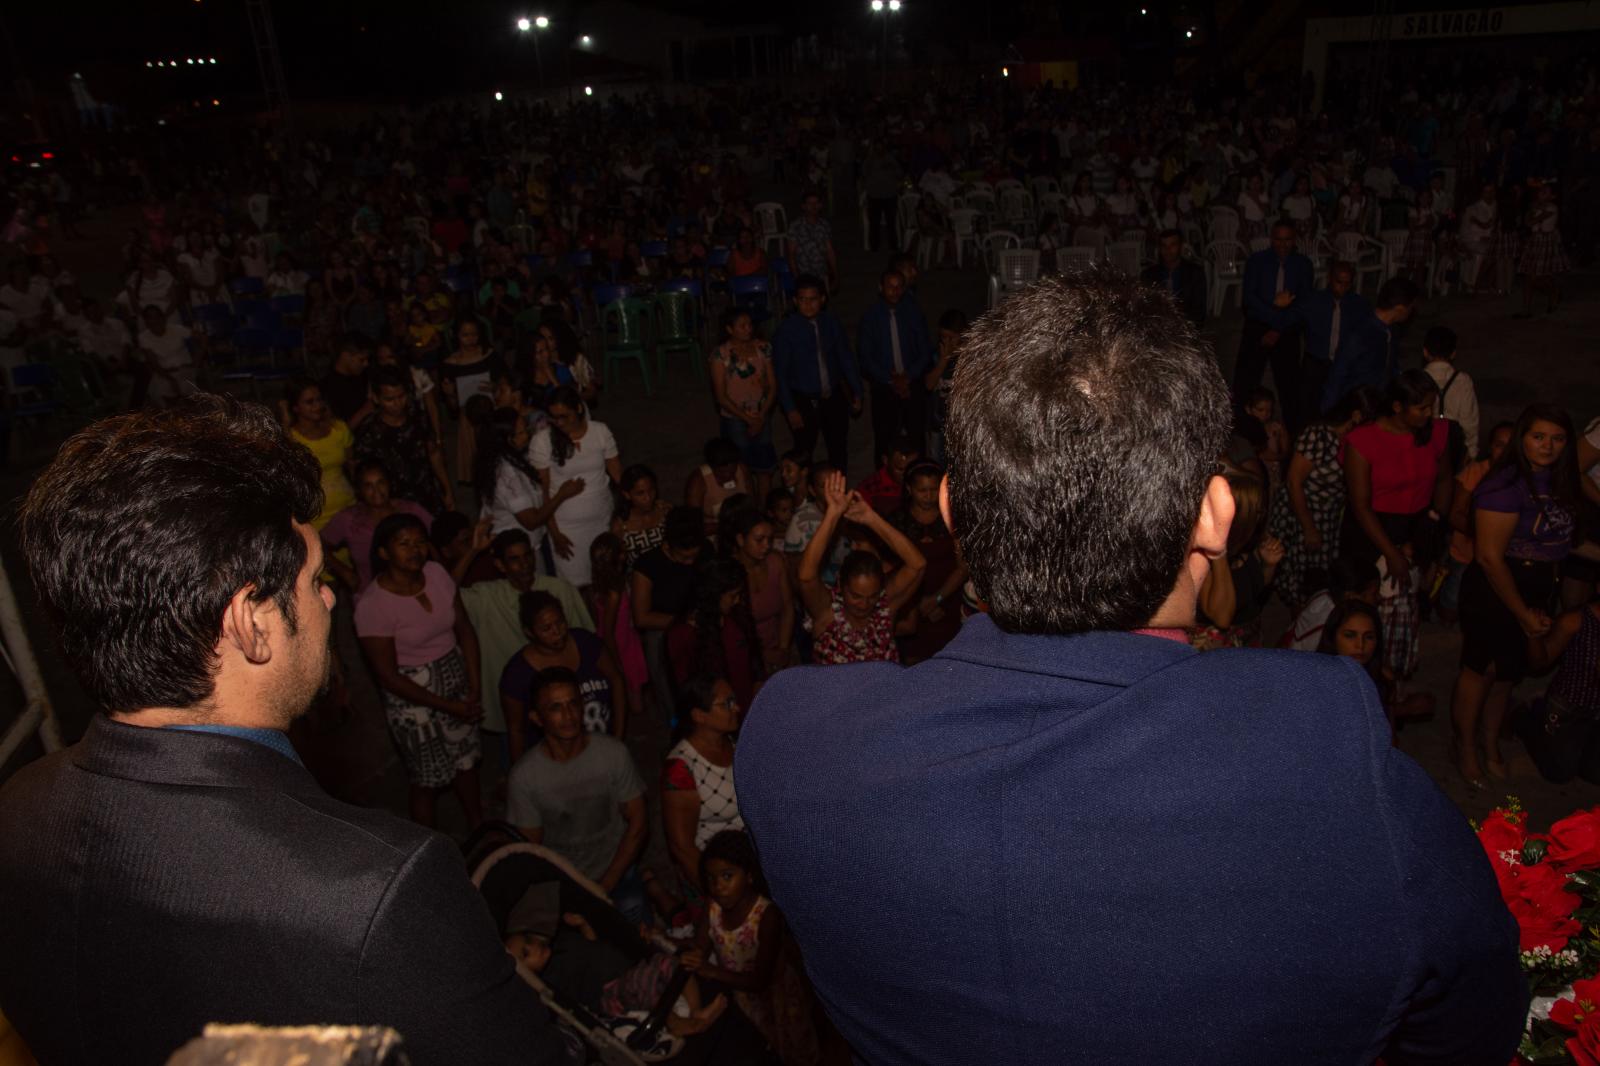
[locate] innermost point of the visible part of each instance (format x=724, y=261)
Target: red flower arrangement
x=1551, y=885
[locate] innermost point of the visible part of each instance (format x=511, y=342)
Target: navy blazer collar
x=179, y=757
x=1104, y=658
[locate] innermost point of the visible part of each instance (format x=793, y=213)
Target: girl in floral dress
x=854, y=621
x=740, y=943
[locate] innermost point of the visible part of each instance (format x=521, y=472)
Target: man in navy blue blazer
x=1069, y=837
x=1369, y=354
x=819, y=384
x=1328, y=317
x=1268, y=275
x=896, y=354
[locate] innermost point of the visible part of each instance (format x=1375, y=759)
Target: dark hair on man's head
x=390, y=528
x=810, y=281
x=354, y=342
x=685, y=528
x=1084, y=427
x=504, y=540
x=144, y=526
x=1170, y=233
x=1286, y=223
x=389, y=377
x=1440, y=342
x=550, y=675
x=1397, y=292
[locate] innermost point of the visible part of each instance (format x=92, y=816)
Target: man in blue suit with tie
x=1070, y=838
x=1328, y=318
x=819, y=385
x=1267, y=275
x=1369, y=354
x=896, y=354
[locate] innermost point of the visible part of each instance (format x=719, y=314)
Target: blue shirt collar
x=267, y=738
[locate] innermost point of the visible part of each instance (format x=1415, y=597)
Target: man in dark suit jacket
x=1068, y=837
x=896, y=354
x=819, y=384
x=1327, y=318
x=1369, y=354
x=178, y=865
x=1183, y=278
x=1268, y=275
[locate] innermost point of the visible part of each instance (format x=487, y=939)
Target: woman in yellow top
x=311, y=422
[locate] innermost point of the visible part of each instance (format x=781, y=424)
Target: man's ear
x=246, y=626
x=944, y=499
x=1216, y=519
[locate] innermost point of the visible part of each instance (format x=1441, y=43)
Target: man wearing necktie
x=1368, y=352
x=819, y=385
x=1268, y=275
x=896, y=354
x=1327, y=318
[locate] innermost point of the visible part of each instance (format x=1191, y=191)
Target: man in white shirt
x=23, y=296
x=102, y=337
x=170, y=366
x=1458, y=398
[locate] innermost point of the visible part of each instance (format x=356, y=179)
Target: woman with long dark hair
x=719, y=636
x=748, y=542
x=507, y=485
x=1524, y=524
x=641, y=514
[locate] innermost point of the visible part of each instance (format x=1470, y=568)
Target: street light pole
x=884, y=8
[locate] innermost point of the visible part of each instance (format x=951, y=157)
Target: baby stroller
x=505, y=866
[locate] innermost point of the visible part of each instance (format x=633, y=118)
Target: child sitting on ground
x=1262, y=406
x=567, y=954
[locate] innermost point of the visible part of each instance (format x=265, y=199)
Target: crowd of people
x=524, y=593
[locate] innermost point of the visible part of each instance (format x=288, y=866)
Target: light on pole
x=883, y=9
x=527, y=25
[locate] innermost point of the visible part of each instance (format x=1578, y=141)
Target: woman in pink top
x=424, y=651
x=613, y=612
x=1398, y=480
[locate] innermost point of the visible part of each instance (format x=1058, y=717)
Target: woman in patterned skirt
x=1543, y=261
x=698, y=799
x=1308, y=509
x=424, y=652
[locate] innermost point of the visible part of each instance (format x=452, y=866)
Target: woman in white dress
x=1476, y=237
x=575, y=448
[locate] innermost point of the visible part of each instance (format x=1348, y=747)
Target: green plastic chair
x=677, y=322
x=623, y=338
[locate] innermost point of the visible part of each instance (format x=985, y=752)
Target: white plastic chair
x=994, y=242
x=905, y=220
x=1014, y=269
x=1365, y=254
x=1016, y=209
x=1124, y=255
x=984, y=203
x=1044, y=186
x=980, y=188
x=964, y=228
x=774, y=223
x=1134, y=237
x=1076, y=257
x=1090, y=236
x=1225, y=269
x=1052, y=203
x=1224, y=224
x=1003, y=184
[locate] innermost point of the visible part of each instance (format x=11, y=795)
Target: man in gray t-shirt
x=579, y=793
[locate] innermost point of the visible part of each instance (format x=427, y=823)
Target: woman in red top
x=746, y=257
x=1398, y=480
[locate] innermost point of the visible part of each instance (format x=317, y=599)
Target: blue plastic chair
x=535, y=262
x=717, y=257
x=247, y=287
x=581, y=259
x=753, y=293
x=653, y=249
x=289, y=304
x=39, y=379
x=609, y=294
x=259, y=316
